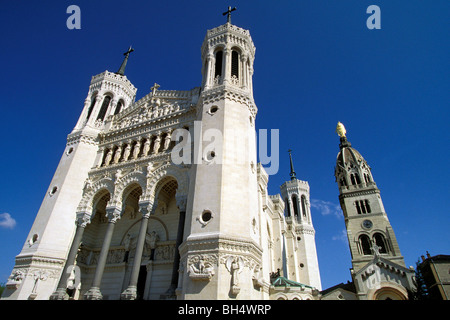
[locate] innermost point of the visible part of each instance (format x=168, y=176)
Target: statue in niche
x=157, y=144
x=117, y=155
x=126, y=153
x=150, y=242
x=235, y=265
x=146, y=147
x=108, y=157
x=127, y=245
x=167, y=141
x=38, y=275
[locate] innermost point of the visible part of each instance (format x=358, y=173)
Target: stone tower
x=221, y=226
x=299, y=237
x=370, y=235
x=45, y=250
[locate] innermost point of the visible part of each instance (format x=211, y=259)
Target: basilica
x=142, y=206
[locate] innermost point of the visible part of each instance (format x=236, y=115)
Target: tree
x=422, y=290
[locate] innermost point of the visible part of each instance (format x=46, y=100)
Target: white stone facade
x=121, y=220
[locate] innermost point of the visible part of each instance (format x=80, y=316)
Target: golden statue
x=340, y=130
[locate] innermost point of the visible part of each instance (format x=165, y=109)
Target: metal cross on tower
x=228, y=13
x=124, y=63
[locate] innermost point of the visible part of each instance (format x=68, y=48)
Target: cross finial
x=154, y=88
x=376, y=250
x=228, y=13
x=124, y=63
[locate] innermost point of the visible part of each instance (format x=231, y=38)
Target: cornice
x=229, y=92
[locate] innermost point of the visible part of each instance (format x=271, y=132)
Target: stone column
x=94, y=293
x=131, y=292
x=209, y=81
x=60, y=293
x=171, y=292
x=226, y=67
x=243, y=74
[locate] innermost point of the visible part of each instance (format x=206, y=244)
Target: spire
x=292, y=174
x=124, y=63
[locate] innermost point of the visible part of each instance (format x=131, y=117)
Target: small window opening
x=218, y=65
x=235, y=64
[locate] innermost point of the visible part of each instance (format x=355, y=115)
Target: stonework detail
x=201, y=267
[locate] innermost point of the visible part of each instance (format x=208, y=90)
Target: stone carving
x=127, y=245
x=201, y=267
x=235, y=265
x=151, y=239
x=257, y=277
x=15, y=278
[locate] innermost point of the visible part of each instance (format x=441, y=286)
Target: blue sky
x=316, y=64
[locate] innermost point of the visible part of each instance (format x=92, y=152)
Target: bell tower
x=301, y=255
x=222, y=222
x=368, y=228
x=46, y=248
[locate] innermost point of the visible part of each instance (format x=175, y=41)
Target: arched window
x=118, y=107
x=303, y=205
x=295, y=204
x=235, y=64
x=91, y=107
x=288, y=208
x=380, y=241
x=104, y=108
x=365, y=244
x=358, y=180
x=218, y=65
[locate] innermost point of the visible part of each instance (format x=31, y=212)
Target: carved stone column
x=94, y=293
x=181, y=203
x=209, y=64
x=61, y=291
x=226, y=68
x=131, y=292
